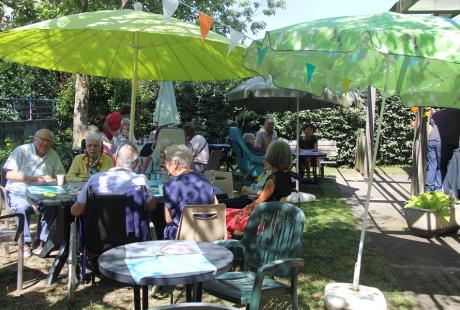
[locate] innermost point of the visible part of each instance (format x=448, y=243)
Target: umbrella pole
x=134, y=87
x=298, y=146
x=369, y=190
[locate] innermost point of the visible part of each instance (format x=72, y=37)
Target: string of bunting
x=206, y=21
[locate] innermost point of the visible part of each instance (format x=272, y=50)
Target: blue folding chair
x=248, y=163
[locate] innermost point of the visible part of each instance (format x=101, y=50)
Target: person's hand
x=44, y=179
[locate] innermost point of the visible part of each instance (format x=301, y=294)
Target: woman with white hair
x=91, y=162
x=120, y=135
x=187, y=187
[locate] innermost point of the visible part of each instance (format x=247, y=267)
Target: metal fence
x=16, y=109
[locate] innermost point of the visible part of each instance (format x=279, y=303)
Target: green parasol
x=124, y=44
x=414, y=57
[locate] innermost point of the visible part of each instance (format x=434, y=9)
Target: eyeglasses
x=88, y=146
x=44, y=139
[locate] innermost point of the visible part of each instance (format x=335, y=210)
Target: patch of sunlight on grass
x=331, y=237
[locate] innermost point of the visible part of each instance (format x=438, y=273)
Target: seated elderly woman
x=187, y=187
x=91, y=162
x=277, y=186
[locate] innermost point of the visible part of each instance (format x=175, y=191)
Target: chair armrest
x=20, y=226
x=278, y=265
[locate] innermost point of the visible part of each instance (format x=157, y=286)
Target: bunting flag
x=261, y=52
x=123, y=3
x=169, y=8
x=235, y=37
x=346, y=85
x=310, y=71
x=205, y=25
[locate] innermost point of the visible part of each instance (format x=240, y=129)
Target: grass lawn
x=331, y=240
x=330, y=245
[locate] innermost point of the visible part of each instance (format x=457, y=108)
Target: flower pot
x=429, y=223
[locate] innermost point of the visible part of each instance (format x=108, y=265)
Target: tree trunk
x=80, y=110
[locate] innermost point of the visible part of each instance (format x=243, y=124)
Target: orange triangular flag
x=205, y=24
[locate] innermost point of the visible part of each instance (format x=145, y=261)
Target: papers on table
x=137, y=250
x=41, y=189
x=169, y=258
x=170, y=265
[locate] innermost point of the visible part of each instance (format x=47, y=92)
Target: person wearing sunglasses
x=28, y=163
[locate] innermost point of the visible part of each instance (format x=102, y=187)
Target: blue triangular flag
x=310, y=71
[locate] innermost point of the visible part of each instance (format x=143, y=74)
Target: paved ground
x=428, y=269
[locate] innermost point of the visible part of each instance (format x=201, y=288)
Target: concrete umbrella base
x=341, y=296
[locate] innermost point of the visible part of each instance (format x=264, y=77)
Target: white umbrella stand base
x=341, y=296
x=299, y=197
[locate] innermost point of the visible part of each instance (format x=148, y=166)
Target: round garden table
x=115, y=264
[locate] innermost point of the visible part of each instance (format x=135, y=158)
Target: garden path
x=428, y=269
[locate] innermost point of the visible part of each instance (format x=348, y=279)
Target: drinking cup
x=60, y=179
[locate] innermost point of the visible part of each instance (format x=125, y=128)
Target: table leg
x=61, y=235
x=137, y=298
x=189, y=292
x=199, y=292
x=58, y=263
x=145, y=297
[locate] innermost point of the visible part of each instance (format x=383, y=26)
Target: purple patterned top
x=191, y=188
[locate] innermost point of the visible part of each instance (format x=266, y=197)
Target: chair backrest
x=329, y=147
x=214, y=160
x=221, y=179
x=245, y=159
x=114, y=220
x=174, y=135
x=202, y=223
x=274, y=231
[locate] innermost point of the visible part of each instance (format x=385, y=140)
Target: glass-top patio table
x=165, y=262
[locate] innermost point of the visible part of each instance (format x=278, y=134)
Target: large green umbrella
x=414, y=57
x=124, y=44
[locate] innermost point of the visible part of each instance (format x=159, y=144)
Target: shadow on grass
x=37, y=296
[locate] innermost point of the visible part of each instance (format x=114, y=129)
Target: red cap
x=114, y=119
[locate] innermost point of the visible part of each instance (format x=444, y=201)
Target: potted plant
x=432, y=213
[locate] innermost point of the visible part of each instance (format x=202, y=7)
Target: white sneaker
x=27, y=251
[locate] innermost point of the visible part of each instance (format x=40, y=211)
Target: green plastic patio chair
x=271, y=247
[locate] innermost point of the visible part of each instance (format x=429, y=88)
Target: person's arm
x=78, y=209
x=216, y=201
x=18, y=176
x=72, y=175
